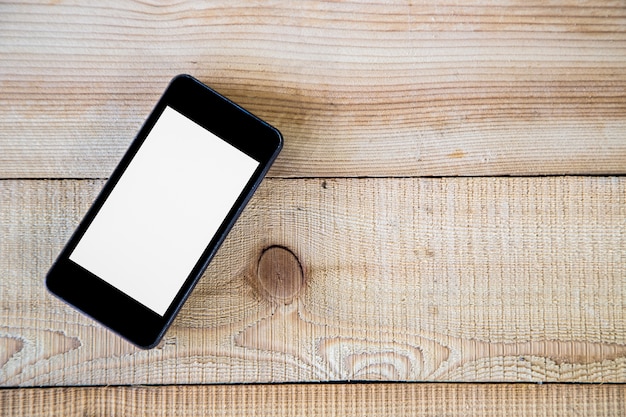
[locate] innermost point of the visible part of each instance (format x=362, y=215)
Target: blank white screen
x=166, y=207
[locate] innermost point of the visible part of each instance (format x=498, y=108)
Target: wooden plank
x=450, y=279
x=416, y=88
x=320, y=400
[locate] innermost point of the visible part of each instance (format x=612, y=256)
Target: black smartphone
x=160, y=218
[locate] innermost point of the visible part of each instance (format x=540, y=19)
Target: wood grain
x=450, y=279
x=320, y=400
x=426, y=88
x=347, y=278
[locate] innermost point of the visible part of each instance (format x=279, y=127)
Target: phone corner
x=147, y=344
x=280, y=139
x=183, y=78
x=47, y=280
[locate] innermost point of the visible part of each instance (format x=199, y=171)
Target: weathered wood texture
x=349, y=400
x=455, y=279
x=376, y=89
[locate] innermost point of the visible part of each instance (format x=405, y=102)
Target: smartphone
x=160, y=218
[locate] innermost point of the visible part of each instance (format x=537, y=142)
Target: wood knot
x=280, y=274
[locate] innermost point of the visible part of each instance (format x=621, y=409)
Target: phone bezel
x=110, y=306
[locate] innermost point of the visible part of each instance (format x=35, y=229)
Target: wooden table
x=450, y=206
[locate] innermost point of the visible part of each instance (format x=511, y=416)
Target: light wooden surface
x=350, y=263
x=455, y=279
x=463, y=400
x=357, y=88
